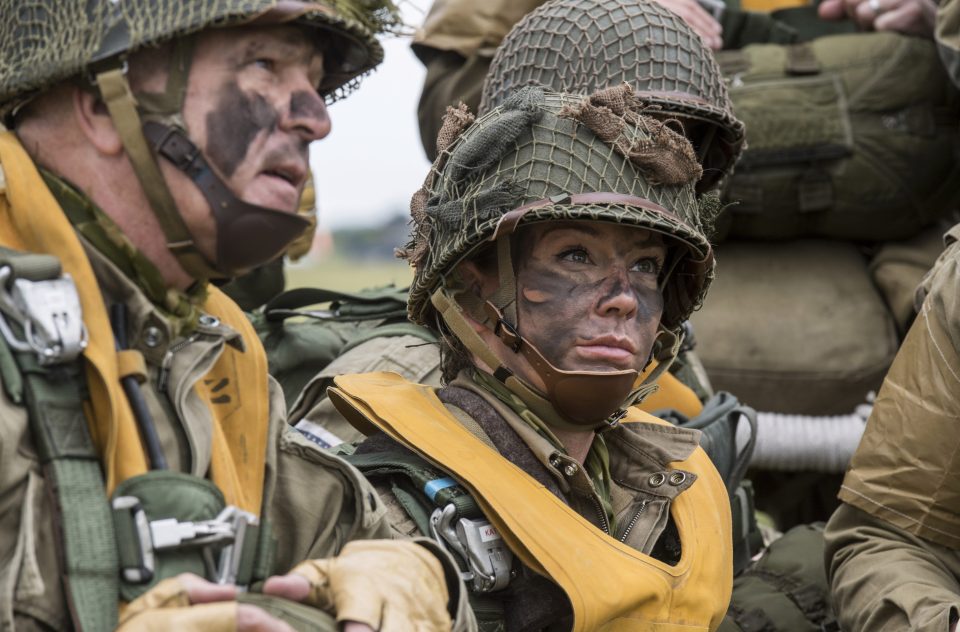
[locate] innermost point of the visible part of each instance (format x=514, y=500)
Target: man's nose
x=306, y=115
x=617, y=296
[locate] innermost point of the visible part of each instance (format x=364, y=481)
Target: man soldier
x=151, y=149
x=558, y=246
x=892, y=545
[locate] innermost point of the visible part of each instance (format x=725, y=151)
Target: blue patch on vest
x=432, y=488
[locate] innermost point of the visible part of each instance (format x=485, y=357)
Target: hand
x=297, y=588
x=249, y=618
x=389, y=585
x=190, y=602
x=911, y=17
x=697, y=18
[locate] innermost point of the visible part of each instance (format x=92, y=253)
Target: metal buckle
x=228, y=530
x=49, y=313
x=479, y=544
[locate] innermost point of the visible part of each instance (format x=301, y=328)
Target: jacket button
x=677, y=478
x=657, y=479
x=152, y=337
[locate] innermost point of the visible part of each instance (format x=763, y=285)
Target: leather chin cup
x=247, y=235
x=586, y=398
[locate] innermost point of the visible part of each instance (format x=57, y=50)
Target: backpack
x=301, y=342
x=849, y=136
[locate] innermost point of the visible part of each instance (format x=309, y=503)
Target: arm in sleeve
x=884, y=578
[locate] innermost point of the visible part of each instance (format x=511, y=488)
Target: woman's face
x=587, y=296
x=587, y=293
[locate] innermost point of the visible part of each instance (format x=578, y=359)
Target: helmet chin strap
x=247, y=235
x=586, y=399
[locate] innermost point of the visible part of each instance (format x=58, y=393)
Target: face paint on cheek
x=233, y=124
x=550, y=303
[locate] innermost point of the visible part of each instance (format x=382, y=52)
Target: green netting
x=580, y=46
x=536, y=146
x=45, y=41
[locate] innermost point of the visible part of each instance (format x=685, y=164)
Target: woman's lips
x=608, y=348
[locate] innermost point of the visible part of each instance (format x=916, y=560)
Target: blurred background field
x=348, y=274
x=351, y=259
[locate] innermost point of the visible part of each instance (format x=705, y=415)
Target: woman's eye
x=576, y=255
x=646, y=266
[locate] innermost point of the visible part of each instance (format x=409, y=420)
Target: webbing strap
x=115, y=91
x=91, y=568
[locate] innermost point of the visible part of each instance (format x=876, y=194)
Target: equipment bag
x=302, y=342
x=849, y=136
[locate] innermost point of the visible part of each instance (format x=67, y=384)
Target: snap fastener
x=152, y=337
x=677, y=478
x=570, y=469
x=555, y=462
x=208, y=321
x=657, y=479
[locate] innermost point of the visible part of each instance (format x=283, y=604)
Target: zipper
x=636, y=518
x=164, y=374
x=601, y=513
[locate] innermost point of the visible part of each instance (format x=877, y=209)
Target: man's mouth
x=292, y=173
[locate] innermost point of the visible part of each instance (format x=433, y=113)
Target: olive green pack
x=849, y=136
x=301, y=342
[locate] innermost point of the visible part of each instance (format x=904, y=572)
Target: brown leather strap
x=508, y=223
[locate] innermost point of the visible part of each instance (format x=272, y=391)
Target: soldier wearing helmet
x=558, y=245
x=148, y=474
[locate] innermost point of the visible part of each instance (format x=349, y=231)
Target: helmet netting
x=580, y=46
x=533, y=148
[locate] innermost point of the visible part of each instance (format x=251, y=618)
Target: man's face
x=252, y=107
x=587, y=293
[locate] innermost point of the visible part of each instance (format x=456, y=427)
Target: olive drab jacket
x=546, y=508
x=316, y=502
x=893, y=547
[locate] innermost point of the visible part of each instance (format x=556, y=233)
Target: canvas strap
x=54, y=402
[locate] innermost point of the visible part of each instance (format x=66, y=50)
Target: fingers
x=698, y=19
x=914, y=17
x=832, y=10
x=253, y=619
x=353, y=626
x=200, y=590
x=292, y=587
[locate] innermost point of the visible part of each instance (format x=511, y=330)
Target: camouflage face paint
x=233, y=125
x=564, y=301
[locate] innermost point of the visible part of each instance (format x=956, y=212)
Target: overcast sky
x=372, y=161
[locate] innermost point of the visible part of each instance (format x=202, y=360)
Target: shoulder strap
x=53, y=397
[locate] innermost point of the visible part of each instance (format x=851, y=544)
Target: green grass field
x=345, y=274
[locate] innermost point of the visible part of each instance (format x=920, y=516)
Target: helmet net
x=580, y=46
x=544, y=147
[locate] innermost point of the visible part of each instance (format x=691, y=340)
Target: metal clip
x=479, y=544
x=144, y=572
x=49, y=313
x=228, y=530
x=232, y=554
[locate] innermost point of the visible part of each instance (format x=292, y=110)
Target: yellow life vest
x=611, y=586
x=32, y=221
x=672, y=394
x=769, y=6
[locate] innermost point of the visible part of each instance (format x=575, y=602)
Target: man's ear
x=95, y=123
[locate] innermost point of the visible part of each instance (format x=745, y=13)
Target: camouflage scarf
x=180, y=308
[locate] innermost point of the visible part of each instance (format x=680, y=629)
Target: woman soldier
x=558, y=246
